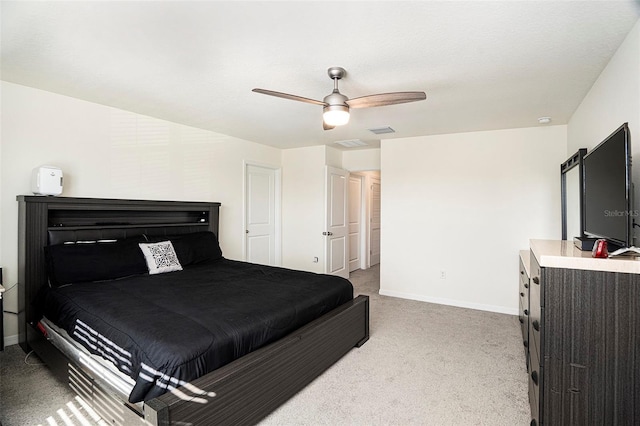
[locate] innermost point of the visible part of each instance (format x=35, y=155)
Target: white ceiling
x=483, y=64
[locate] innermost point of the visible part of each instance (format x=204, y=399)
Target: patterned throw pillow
x=160, y=257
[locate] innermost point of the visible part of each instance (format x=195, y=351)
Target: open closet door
x=336, y=221
x=374, y=225
x=356, y=213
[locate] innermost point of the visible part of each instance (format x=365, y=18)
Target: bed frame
x=245, y=390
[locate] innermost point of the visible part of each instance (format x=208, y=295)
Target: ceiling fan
x=336, y=105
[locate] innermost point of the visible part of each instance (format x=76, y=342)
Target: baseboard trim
x=11, y=340
x=450, y=302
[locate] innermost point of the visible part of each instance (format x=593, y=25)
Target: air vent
x=352, y=143
x=382, y=130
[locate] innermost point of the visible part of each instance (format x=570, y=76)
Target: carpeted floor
x=424, y=364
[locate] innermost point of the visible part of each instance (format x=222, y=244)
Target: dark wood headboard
x=53, y=220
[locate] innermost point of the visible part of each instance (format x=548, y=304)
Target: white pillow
x=160, y=257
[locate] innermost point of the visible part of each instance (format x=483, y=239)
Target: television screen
x=607, y=189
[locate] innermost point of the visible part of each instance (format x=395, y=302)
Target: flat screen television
x=607, y=196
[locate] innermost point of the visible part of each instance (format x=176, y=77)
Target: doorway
x=262, y=239
x=374, y=221
x=356, y=218
x=364, y=219
x=336, y=222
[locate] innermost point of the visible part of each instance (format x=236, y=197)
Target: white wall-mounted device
x=46, y=180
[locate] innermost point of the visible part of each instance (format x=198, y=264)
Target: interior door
x=336, y=221
x=260, y=215
x=374, y=226
x=355, y=221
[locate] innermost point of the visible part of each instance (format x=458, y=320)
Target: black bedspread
x=167, y=329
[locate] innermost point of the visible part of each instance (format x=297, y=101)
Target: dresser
x=583, y=350
x=523, y=295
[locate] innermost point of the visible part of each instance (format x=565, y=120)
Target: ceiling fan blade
x=325, y=126
x=383, y=99
x=288, y=96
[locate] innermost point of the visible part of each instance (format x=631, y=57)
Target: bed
x=295, y=332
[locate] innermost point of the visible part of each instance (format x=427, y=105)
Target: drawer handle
x=521, y=320
x=536, y=325
x=525, y=343
x=526, y=312
x=534, y=377
x=526, y=286
x=533, y=423
x=521, y=294
x=536, y=280
x=521, y=272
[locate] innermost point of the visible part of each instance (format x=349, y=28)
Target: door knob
x=327, y=233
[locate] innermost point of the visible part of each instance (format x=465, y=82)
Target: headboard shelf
x=66, y=218
x=53, y=220
x=124, y=226
x=112, y=203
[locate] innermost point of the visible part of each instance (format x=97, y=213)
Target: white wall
x=361, y=159
x=466, y=204
x=303, y=207
x=332, y=157
x=111, y=153
x=613, y=99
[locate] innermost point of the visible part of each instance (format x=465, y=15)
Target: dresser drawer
x=524, y=324
x=536, y=309
x=523, y=292
x=533, y=404
x=536, y=279
x=524, y=318
x=524, y=277
x=535, y=384
x=535, y=315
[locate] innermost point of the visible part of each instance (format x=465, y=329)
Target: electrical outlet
x=315, y=259
x=443, y=275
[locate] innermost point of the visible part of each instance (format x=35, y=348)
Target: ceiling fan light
x=336, y=115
